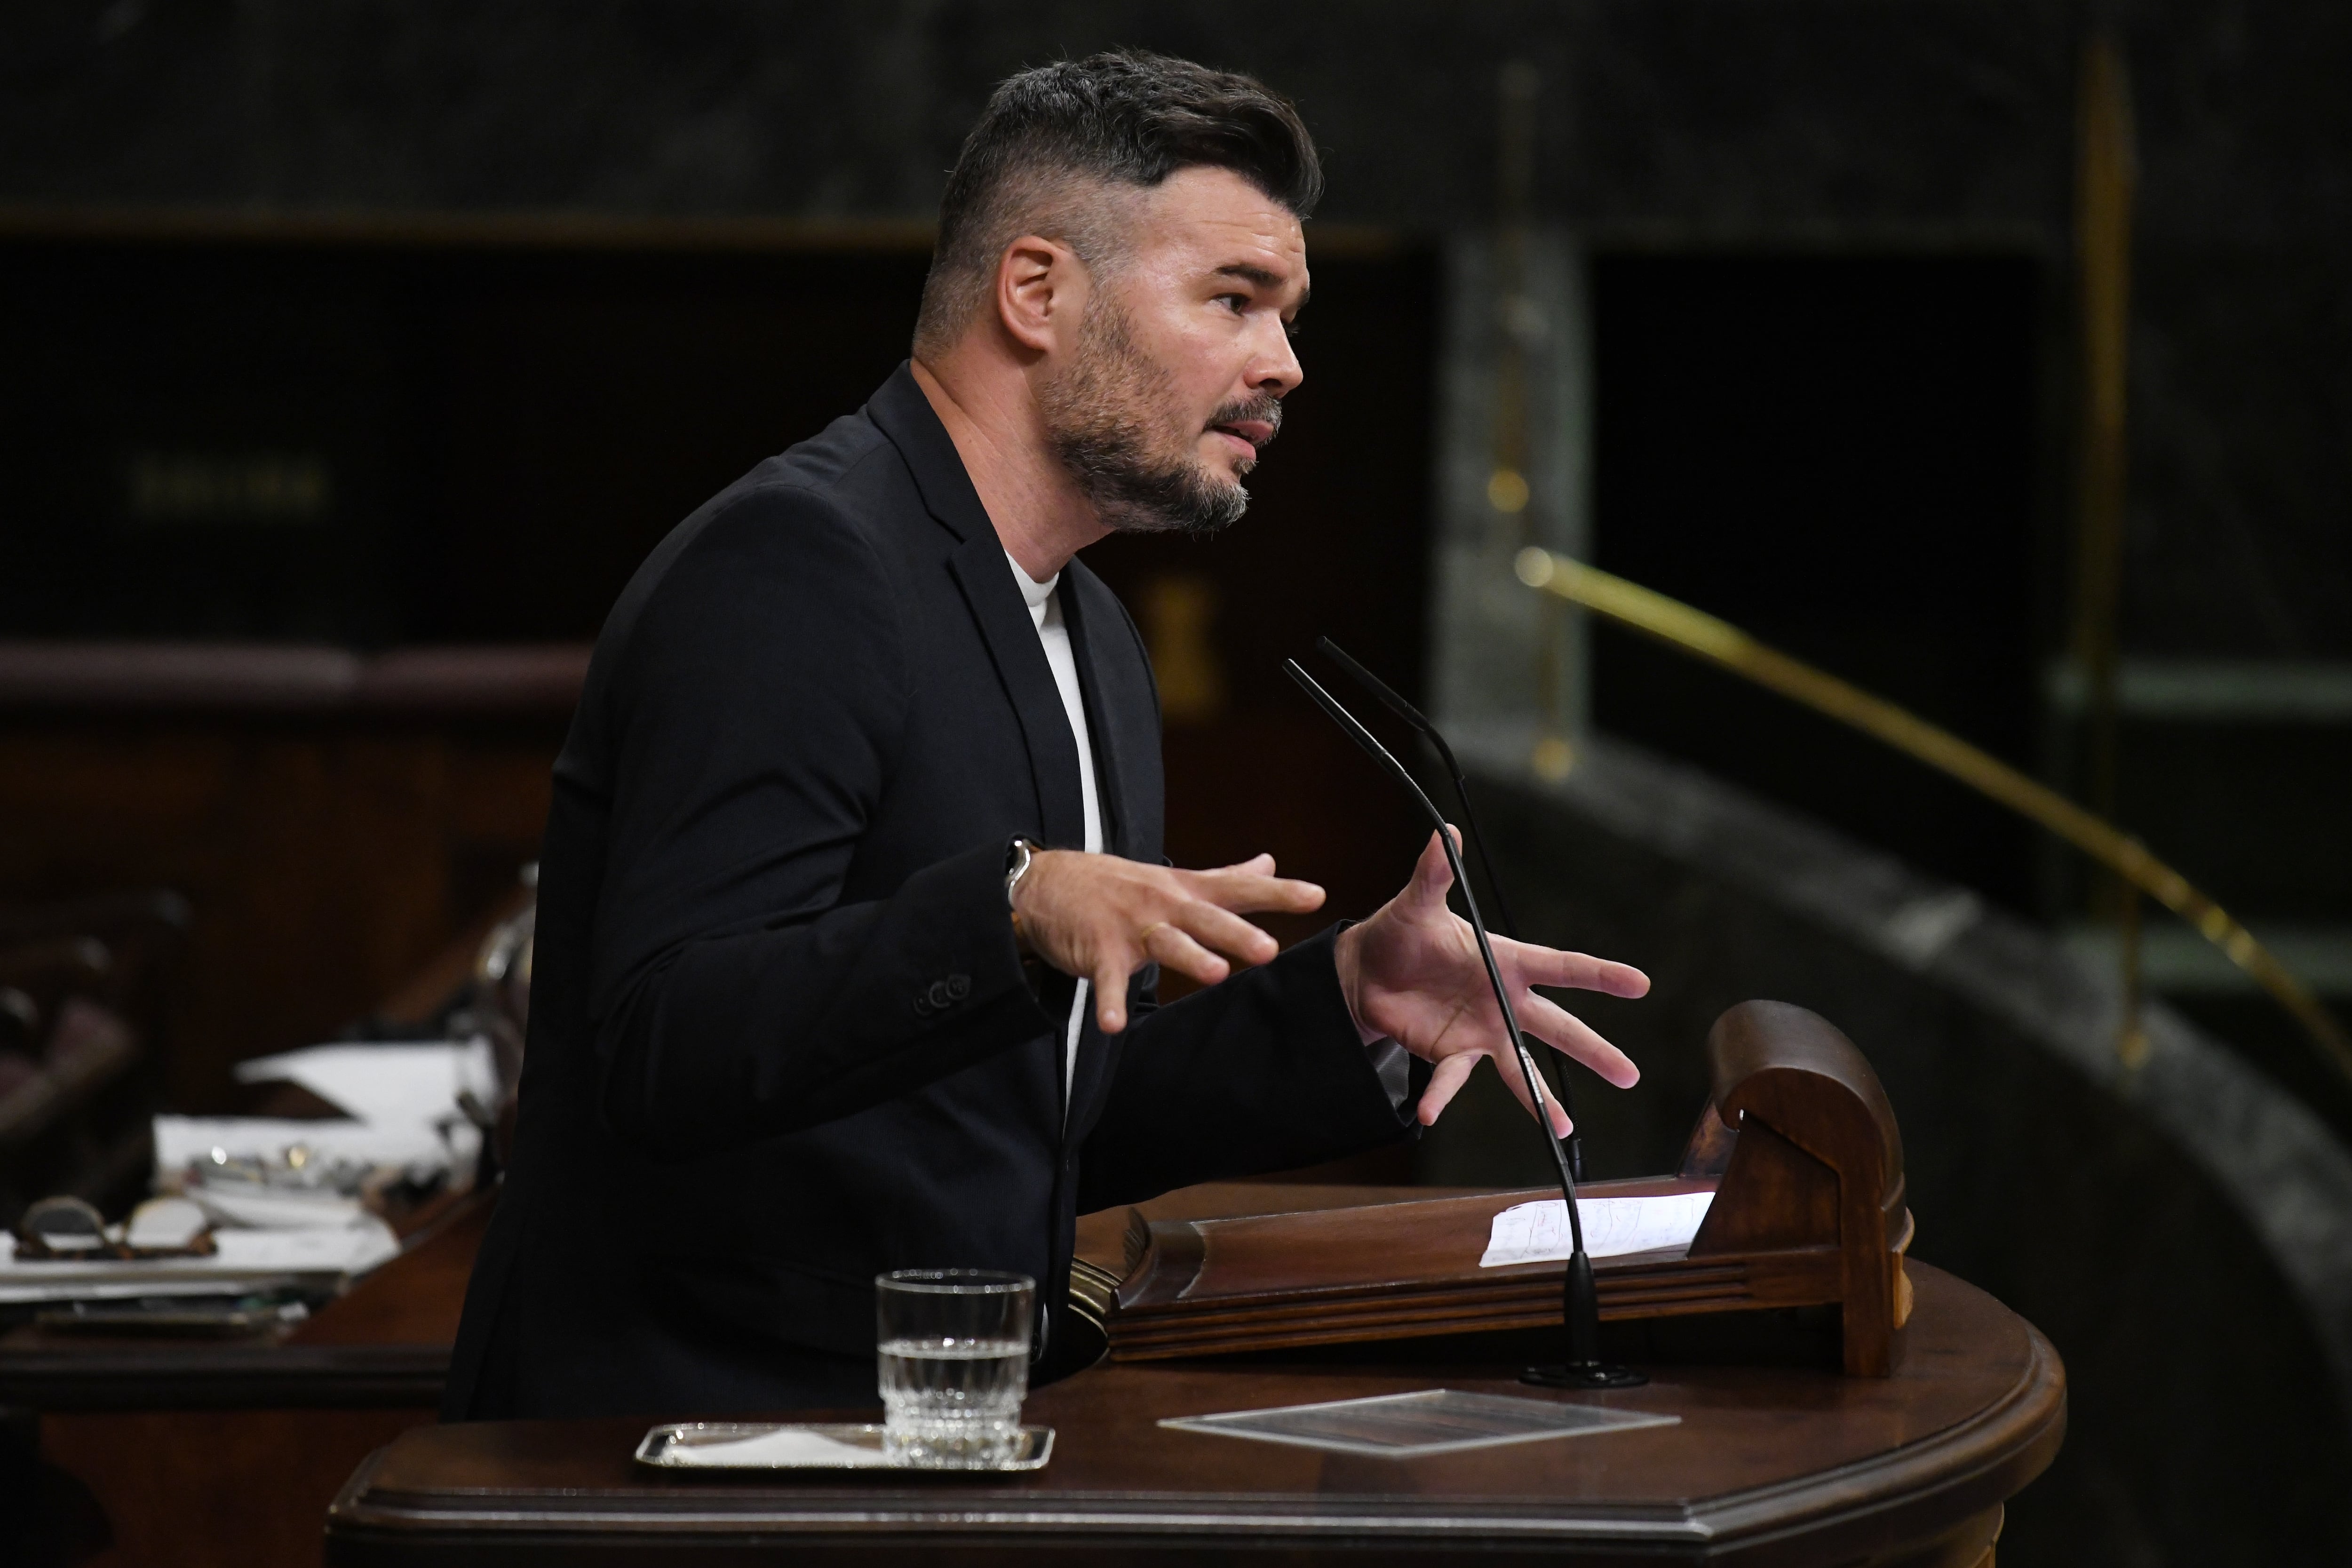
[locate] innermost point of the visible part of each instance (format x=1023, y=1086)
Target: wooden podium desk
x=1768, y=1467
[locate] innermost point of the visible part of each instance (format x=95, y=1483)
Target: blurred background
x=1994, y=355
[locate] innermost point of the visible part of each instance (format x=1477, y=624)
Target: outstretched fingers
x=1206, y=925
x=1537, y=965
x=1507, y=1062
x=1446, y=1081
x=1246, y=890
x=1433, y=876
x=1109, y=980
x=1258, y=865
x=1572, y=1036
x=1446, y=1078
x=1175, y=948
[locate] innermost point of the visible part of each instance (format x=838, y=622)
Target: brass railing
x=1702, y=636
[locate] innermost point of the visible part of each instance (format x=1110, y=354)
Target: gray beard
x=1099, y=420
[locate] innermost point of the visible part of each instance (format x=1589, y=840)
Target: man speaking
x=853, y=902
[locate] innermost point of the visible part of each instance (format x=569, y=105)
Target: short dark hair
x=1123, y=118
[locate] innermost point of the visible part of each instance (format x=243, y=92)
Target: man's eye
x=1236, y=302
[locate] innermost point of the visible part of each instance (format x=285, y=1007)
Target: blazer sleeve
x=754, y=715
x=1262, y=1072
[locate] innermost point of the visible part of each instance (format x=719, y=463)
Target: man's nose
x=1277, y=368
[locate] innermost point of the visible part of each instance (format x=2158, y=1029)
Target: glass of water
x=954, y=1352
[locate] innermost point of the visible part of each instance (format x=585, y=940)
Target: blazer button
x=938, y=994
x=958, y=986
x=923, y=1006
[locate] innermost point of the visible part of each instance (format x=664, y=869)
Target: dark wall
x=414, y=442
x=1695, y=112
x=1700, y=121
x=324, y=859
x=397, y=442
x=1838, y=453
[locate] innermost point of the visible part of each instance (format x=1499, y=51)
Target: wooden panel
x=214, y=1489
x=323, y=860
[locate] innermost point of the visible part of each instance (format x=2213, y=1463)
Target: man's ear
x=1041, y=293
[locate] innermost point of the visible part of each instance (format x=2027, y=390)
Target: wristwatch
x=1017, y=857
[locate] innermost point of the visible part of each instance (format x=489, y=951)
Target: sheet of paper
x=1537, y=1232
x=415, y=1083
x=786, y=1447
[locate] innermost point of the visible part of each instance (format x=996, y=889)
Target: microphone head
x=1377, y=687
x=1338, y=712
x=1366, y=739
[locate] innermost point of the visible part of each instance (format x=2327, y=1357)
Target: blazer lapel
x=1114, y=680
x=985, y=576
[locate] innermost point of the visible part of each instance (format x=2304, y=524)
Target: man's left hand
x=1413, y=974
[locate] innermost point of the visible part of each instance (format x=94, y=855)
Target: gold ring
x=1143, y=937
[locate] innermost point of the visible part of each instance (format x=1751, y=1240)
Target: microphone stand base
x=1584, y=1374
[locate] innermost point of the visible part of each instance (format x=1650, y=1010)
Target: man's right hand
x=1102, y=918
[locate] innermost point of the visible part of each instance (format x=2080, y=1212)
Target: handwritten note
x=1537, y=1232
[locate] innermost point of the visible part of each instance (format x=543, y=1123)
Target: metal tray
x=723, y=1446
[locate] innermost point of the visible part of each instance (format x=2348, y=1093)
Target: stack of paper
x=316, y=1260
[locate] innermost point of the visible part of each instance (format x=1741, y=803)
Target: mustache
x=1265, y=408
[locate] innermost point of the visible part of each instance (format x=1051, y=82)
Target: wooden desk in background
x=1768, y=1467
x=226, y=1452
x=223, y=1453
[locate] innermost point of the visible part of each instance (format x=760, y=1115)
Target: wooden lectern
x=1872, y=1458
x=1797, y=1144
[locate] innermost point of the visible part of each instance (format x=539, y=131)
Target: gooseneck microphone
x=1415, y=717
x=1580, y=1302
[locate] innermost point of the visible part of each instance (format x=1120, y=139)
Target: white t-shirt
x=1388, y=1059
x=1045, y=612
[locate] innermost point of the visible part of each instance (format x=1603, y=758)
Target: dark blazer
x=781, y=1038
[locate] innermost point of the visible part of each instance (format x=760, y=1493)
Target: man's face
x=1183, y=356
